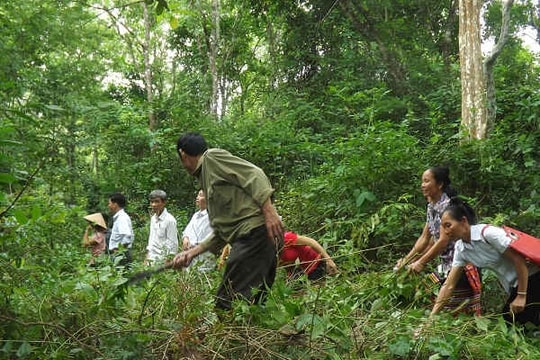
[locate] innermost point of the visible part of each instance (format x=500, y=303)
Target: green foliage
x=343, y=105
x=72, y=309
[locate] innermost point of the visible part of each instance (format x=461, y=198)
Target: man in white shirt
x=163, y=238
x=196, y=231
x=121, y=237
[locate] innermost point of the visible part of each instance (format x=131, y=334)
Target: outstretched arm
x=447, y=289
x=422, y=244
x=184, y=258
x=331, y=267
x=438, y=247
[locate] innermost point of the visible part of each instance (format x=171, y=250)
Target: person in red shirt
x=313, y=259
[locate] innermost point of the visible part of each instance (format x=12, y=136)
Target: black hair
x=118, y=198
x=192, y=144
x=458, y=208
x=442, y=176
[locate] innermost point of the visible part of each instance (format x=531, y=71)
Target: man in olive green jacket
x=241, y=212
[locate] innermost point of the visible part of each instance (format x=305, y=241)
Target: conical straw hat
x=97, y=219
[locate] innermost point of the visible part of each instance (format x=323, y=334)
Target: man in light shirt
x=163, y=238
x=121, y=237
x=196, y=231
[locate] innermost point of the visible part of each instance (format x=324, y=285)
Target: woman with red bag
x=488, y=247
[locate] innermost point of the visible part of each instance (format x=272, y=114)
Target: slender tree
x=148, y=73
x=139, y=32
x=473, y=101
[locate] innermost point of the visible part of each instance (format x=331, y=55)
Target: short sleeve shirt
x=291, y=252
x=486, y=251
x=433, y=219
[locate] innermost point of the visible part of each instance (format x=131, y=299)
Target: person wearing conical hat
x=94, y=235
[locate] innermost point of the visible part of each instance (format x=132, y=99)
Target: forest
x=343, y=104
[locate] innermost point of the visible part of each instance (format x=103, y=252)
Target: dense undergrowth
x=343, y=141
x=358, y=196
x=55, y=306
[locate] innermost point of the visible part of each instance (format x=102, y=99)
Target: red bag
x=525, y=244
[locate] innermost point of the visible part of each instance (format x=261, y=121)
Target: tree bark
x=211, y=35
x=213, y=54
x=473, y=100
x=148, y=78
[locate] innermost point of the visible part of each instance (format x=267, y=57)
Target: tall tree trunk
x=473, y=93
x=147, y=46
x=489, y=62
x=95, y=160
x=213, y=54
x=211, y=31
x=449, y=34
x=71, y=160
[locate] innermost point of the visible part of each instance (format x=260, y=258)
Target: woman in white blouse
x=488, y=247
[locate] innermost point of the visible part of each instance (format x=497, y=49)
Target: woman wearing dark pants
x=487, y=246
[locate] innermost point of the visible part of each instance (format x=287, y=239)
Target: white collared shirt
x=163, y=238
x=486, y=251
x=122, y=231
x=198, y=228
x=196, y=231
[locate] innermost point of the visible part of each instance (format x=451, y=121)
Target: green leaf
x=7, y=178
x=173, y=22
x=6, y=349
x=20, y=217
x=435, y=357
x=482, y=323
x=36, y=212
x=377, y=304
x=54, y=107
x=362, y=197
x=24, y=349
x=401, y=347
x=314, y=320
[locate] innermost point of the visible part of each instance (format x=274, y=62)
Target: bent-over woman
x=487, y=246
x=313, y=259
x=299, y=255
